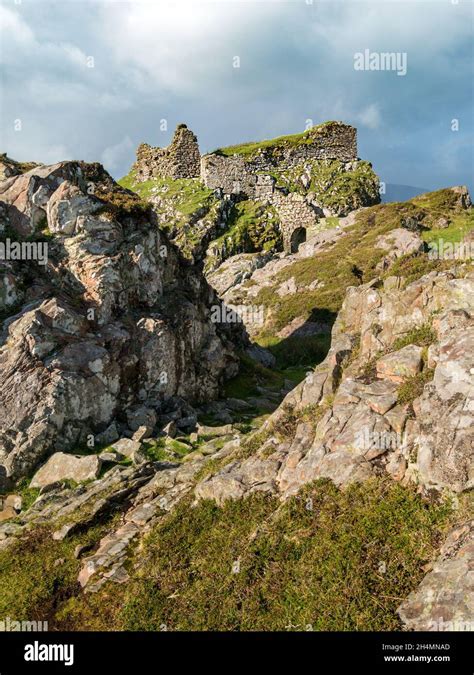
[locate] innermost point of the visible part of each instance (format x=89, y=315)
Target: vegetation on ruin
x=251, y=227
x=279, y=143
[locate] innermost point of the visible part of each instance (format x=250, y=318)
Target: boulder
x=211, y=432
x=61, y=466
x=141, y=417
x=400, y=242
x=142, y=432
x=170, y=429
x=401, y=364
x=110, y=435
x=110, y=457
x=7, y=514
x=126, y=447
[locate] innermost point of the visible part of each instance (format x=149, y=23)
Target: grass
x=330, y=559
x=251, y=374
x=188, y=195
x=459, y=226
x=165, y=450
x=413, y=386
x=280, y=142
x=336, y=560
x=296, y=351
x=28, y=494
x=39, y=575
x=423, y=336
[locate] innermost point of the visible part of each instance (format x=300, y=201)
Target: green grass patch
x=423, y=336
x=329, y=559
x=413, y=386
x=38, y=575
x=296, y=351
x=325, y=559
x=251, y=227
x=251, y=374
x=188, y=195
x=28, y=494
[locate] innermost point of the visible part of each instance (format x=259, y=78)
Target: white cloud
x=173, y=60
x=113, y=156
x=370, y=116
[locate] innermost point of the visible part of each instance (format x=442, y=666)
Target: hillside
x=236, y=407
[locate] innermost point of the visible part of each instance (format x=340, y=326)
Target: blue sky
x=153, y=60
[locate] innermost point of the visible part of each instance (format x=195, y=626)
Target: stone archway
x=298, y=237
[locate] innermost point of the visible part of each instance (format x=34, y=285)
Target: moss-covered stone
x=251, y=227
x=280, y=143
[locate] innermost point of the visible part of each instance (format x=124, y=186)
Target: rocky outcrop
x=10, y=167
x=114, y=319
x=372, y=406
x=237, y=269
x=109, y=346
x=379, y=406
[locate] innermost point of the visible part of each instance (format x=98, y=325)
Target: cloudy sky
x=91, y=79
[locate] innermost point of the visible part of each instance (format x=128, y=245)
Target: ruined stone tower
x=181, y=159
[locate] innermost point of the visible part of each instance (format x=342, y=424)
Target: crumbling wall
x=181, y=159
x=237, y=174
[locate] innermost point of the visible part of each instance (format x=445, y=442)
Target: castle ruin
x=246, y=175
x=181, y=159
x=247, y=172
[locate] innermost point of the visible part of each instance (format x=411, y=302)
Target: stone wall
x=295, y=214
x=181, y=159
x=236, y=174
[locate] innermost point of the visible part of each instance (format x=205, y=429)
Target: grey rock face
x=114, y=321
x=358, y=427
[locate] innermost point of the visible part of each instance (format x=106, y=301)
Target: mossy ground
x=39, y=575
x=188, y=195
x=325, y=559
